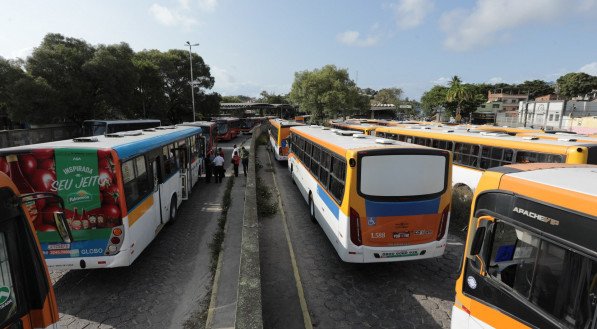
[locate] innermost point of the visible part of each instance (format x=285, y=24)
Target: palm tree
x=458, y=93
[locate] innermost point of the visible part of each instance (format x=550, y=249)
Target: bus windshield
x=222, y=128
x=402, y=175
x=94, y=129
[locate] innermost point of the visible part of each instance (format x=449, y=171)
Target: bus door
x=181, y=154
x=157, y=174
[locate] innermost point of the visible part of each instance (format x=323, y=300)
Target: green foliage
x=458, y=93
x=67, y=79
x=535, y=88
x=327, y=92
x=272, y=98
x=576, y=84
x=265, y=205
x=433, y=99
x=388, y=96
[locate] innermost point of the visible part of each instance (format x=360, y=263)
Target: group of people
x=214, y=163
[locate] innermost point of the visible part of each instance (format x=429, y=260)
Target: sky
x=258, y=45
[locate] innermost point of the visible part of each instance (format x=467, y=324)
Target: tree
x=326, y=92
x=458, y=93
x=114, y=79
x=434, y=99
x=59, y=62
x=388, y=96
x=576, y=84
x=272, y=98
x=535, y=88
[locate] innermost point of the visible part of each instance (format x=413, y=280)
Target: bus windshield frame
x=389, y=152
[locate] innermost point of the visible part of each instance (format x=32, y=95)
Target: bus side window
x=136, y=180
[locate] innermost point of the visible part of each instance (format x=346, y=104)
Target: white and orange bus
x=530, y=259
x=26, y=294
x=363, y=128
x=278, y=132
x=377, y=200
x=119, y=190
x=476, y=152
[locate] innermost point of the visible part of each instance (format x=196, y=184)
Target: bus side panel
x=143, y=221
x=465, y=176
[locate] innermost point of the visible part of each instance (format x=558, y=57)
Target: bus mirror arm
x=62, y=227
x=478, y=242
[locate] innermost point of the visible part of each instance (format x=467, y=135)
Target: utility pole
x=192, y=83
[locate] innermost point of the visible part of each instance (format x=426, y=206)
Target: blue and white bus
x=119, y=190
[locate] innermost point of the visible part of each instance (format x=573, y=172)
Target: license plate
x=404, y=253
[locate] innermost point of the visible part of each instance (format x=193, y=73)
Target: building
x=500, y=109
x=383, y=111
x=557, y=115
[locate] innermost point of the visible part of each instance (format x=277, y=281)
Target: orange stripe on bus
x=140, y=210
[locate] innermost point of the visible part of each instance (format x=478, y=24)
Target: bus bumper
x=366, y=254
x=76, y=263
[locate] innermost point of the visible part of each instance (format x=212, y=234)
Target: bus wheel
x=312, y=209
x=173, y=209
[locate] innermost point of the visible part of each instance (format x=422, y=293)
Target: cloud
x=590, y=68
x=411, y=13
x=352, y=38
x=495, y=80
x=442, y=81
x=484, y=24
x=170, y=17
x=208, y=5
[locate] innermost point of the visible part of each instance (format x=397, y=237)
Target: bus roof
x=284, y=123
x=198, y=124
x=342, y=140
x=495, y=139
x=562, y=136
x=124, y=121
x=127, y=146
x=225, y=119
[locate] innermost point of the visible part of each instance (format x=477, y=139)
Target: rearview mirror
x=62, y=227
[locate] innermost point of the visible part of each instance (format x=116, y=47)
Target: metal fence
x=18, y=137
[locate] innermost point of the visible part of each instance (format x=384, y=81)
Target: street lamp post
x=192, y=83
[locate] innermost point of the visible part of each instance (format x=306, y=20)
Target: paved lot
x=164, y=286
x=414, y=294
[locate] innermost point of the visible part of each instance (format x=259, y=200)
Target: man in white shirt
x=219, y=168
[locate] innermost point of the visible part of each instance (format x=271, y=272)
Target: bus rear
x=398, y=204
x=86, y=179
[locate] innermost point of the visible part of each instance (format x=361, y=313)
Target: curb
x=249, y=307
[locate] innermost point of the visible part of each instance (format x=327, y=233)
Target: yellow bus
x=530, y=259
x=363, y=128
x=278, y=132
x=561, y=136
x=27, y=297
x=476, y=152
x=377, y=200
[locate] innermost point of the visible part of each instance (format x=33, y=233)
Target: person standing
x=209, y=159
x=219, y=168
x=235, y=163
x=244, y=157
x=235, y=149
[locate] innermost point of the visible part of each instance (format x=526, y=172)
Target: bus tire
x=312, y=209
x=173, y=210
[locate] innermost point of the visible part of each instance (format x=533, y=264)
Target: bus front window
x=222, y=128
x=561, y=282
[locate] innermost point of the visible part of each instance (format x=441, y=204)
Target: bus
x=208, y=131
x=278, y=132
x=377, y=200
x=530, y=259
x=228, y=128
x=562, y=136
x=305, y=119
x=248, y=124
x=363, y=128
x=476, y=152
x=119, y=191
x=102, y=127
x=27, y=297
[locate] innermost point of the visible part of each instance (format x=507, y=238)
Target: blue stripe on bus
x=129, y=150
x=328, y=202
x=411, y=208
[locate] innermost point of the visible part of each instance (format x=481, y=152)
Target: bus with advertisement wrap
x=530, y=259
x=27, y=297
x=376, y=199
x=118, y=190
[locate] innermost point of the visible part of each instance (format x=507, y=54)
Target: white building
x=554, y=114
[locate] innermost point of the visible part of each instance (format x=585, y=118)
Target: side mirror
x=62, y=227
